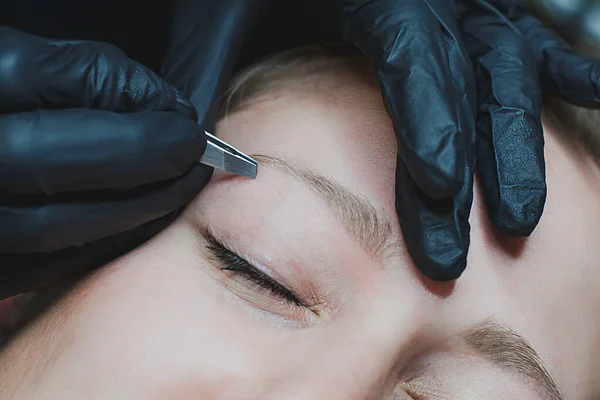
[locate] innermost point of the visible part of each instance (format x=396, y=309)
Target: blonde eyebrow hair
x=507, y=349
x=356, y=214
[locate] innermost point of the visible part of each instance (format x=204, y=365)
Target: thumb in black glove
x=428, y=86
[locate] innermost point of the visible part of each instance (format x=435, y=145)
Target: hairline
x=319, y=68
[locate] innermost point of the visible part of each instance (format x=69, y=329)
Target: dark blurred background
x=140, y=27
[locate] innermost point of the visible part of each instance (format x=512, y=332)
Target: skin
x=165, y=321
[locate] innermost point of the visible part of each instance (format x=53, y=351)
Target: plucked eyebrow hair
x=510, y=351
x=356, y=214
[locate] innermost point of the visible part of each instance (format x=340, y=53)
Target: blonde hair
x=302, y=70
x=323, y=68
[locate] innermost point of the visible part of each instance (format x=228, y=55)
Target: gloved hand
x=515, y=54
x=429, y=87
x=204, y=44
x=96, y=155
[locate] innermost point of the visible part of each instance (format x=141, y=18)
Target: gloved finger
x=205, y=40
x=436, y=232
x=35, y=73
x=44, y=226
x=463, y=76
x=571, y=76
x=410, y=49
x=23, y=273
x=55, y=151
x=510, y=136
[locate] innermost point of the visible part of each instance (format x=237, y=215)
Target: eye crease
x=234, y=263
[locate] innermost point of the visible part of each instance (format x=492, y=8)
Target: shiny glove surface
x=462, y=81
x=205, y=41
x=96, y=155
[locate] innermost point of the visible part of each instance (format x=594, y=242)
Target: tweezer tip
x=223, y=156
x=242, y=167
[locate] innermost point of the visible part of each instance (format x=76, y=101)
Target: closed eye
x=235, y=263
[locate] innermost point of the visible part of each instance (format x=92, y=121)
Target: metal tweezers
x=221, y=155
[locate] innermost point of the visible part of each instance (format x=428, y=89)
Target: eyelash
x=237, y=264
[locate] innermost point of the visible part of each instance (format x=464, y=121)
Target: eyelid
x=259, y=277
x=250, y=271
x=263, y=280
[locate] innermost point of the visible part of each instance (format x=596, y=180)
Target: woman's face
x=297, y=285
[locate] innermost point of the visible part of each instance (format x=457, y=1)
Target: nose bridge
x=357, y=357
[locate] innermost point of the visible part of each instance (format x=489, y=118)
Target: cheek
x=154, y=323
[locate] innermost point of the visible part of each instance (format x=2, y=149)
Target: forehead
x=348, y=136
x=345, y=135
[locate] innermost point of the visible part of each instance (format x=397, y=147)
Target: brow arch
x=509, y=350
x=356, y=214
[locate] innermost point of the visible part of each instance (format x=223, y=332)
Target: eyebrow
x=493, y=341
x=356, y=214
x=512, y=352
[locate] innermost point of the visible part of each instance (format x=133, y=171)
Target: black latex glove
x=428, y=87
x=428, y=84
x=96, y=154
x=573, y=77
x=203, y=47
x=516, y=60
